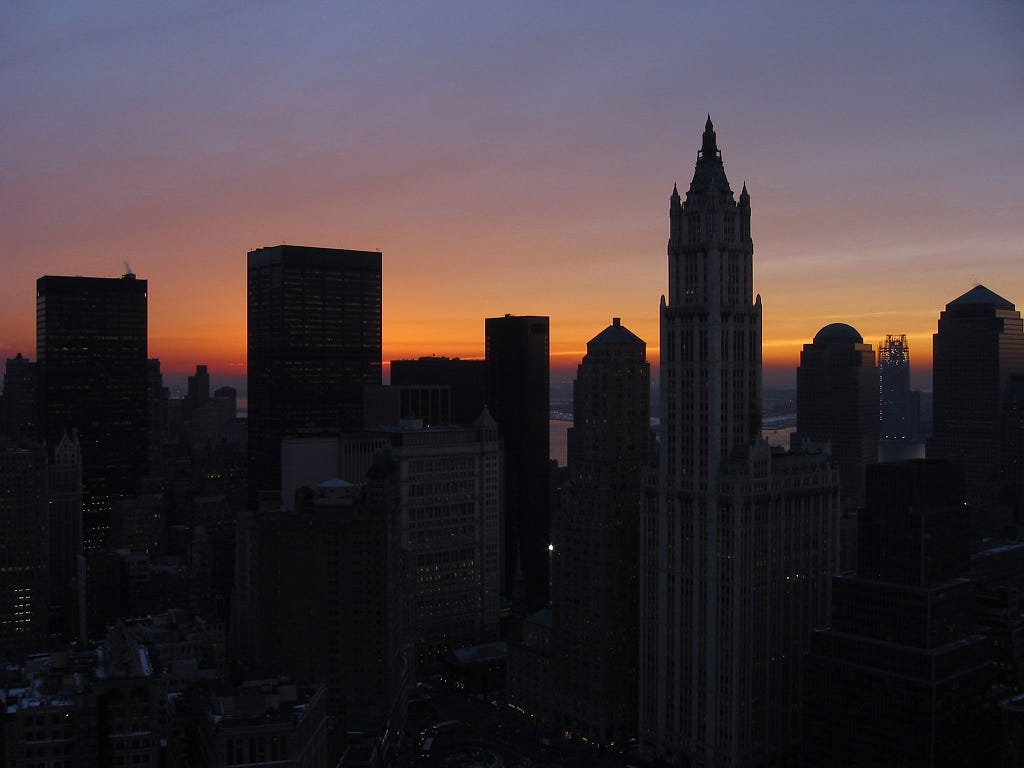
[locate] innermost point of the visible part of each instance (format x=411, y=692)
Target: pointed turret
x=710, y=172
x=710, y=144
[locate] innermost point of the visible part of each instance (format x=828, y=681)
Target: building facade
x=314, y=342
x=901, y=677
x=738, y=544
x=978, y=348
x=24, y=548
x=518, y=388
x=596, y=541
x=837, y=403
x=898, y=422
x=93, y=377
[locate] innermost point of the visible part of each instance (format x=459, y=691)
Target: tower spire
x=709, y=149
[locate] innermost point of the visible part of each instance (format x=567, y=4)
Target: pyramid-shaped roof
x=616, y=333
x=979, y=294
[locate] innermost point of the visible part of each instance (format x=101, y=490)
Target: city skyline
x=511, y=160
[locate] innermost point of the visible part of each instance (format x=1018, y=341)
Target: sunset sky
x=511, y=157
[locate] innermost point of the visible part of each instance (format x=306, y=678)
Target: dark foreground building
x=738, y=542
x=978, y=348
x=596, y=535
x=518, y=387
x=901, y=678
x=93, y=377
x=314, y=343
x=837, y=403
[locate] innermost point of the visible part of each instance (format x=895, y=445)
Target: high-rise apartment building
x=596, y=541
x=93, y=377
x=314, y=342
x=738, y=543
x=901, y=677
x=519, y=390
x=898, y=421
x=978, y=348
x=837, y=404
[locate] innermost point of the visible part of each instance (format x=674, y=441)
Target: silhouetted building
x=156, y=404
x=93, y=377
x=897, y=420
x=1011, y=451
x=262, y=722
x=24, y=548
x=198, y=388
x=901, y=678
x=18, y=417
x=979, y=345
x=229, y=397
x=314, y=342
x=596, y=541
x=837, y=403
x=65, y=525
x=738, y=542
x=465, y=382
x=450, y=496
x=518, y=387
x=321, y=595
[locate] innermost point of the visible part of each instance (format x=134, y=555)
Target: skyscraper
x=837, y=403
x=894, y=387
x=901, y=677
x=978, y=347
x=18, y=416
x=93, y=377
x=65, y=524
x=519, y=390
x=24, y=548
x=314, y=343
x=738, y=543
x=596, y=540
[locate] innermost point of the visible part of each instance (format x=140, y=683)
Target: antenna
x=128, y=270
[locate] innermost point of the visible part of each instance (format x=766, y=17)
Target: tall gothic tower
x=738, y=544
x=710, y=329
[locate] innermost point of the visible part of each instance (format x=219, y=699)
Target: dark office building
x=898, y=422
x=596, y=538
x=314, y=343
x=464, y=380
x=901, y=678
x=94, y=377
x=979, y=346
x=18, y=415
x=24, y=548
x=518, y=388
x=65, y=525
x=321, y=595
x=837, y=403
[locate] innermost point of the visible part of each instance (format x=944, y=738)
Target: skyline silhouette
x=510, y=160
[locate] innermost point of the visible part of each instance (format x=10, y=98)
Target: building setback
x=738, y=543
x=93, y=377
x=314, y=342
